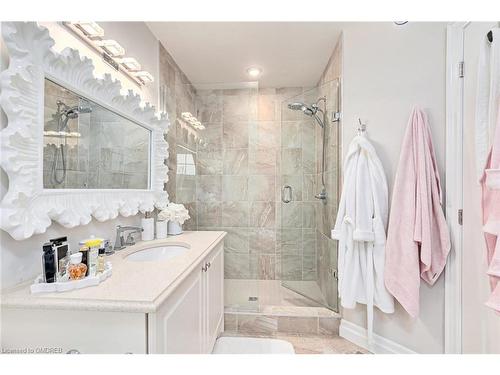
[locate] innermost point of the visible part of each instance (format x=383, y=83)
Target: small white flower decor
x=176, y=214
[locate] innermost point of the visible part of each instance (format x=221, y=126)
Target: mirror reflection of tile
x=87, y=146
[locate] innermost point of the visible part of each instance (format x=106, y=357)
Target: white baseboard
x=358, y=335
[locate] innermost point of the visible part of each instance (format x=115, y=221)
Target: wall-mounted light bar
x=112, y=52
x=191, y=120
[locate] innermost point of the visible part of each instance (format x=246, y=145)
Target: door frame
x=454, y=184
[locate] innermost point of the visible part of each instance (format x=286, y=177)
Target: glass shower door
x=309, y=180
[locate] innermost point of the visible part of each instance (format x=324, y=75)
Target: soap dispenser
x=148, y=226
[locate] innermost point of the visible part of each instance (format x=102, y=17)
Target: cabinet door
x=176, y=328
x=215, y=296
x=60, y=331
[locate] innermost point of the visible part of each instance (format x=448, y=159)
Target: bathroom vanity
x=167, y=304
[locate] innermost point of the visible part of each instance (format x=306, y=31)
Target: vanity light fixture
x=110, y=50
x=90, y=29
x=144, y=77
x=254, y=72
x=112, y=47
x=131, y=64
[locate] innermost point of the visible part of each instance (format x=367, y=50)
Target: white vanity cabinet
x=190, y=320
x=187, y=321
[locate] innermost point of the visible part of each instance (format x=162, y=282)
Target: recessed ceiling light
x=254, y=72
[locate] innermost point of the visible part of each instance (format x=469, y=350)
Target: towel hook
x=361, y=127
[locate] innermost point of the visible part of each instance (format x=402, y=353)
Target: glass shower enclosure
x=309, y=176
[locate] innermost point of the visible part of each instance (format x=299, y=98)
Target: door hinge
x=461, y=69
x=460, y=216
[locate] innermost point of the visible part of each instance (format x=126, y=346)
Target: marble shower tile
x=257, y=324
x=291, y=134
x=262, y=240
x=261, y=188
x=234, y=188
x=236, y=266
x=289, y=241
x=262, y=161
x=291, y=215
x=262, y=214
x=291, y=161
x=265, y=134
x=262, y=266
x=235, y=162
x=291, y=267
x=209, y=214
x=209, y=162
x=209, y=188
x=236, y=240
x=304, y=325
x=235, y=214
x=235, y=134
x=267, y=106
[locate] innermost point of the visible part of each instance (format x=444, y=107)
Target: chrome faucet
x=120, y=243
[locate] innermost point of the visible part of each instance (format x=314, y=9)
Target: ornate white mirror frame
x=27, y=208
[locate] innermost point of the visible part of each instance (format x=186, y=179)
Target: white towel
x=488, y=93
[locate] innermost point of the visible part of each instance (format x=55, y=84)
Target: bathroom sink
x=157, y=253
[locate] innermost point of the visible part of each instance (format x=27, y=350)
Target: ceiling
x=289, y=53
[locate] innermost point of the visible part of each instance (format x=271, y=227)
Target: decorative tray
x=63, y=286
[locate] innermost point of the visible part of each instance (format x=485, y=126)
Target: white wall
x=387, y=70
x=480, y=325
x=20, y=260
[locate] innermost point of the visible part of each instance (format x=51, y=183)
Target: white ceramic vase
x=161, y=229
x=174, y=228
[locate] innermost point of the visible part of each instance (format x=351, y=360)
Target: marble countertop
x=133, y=286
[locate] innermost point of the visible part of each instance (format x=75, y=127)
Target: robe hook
x=361, y=127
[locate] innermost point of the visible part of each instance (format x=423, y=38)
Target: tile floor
x=313, y=344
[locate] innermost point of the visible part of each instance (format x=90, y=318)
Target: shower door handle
x=283, y=194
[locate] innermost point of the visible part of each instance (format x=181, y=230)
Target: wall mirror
x=74, y=147
x=88, y=146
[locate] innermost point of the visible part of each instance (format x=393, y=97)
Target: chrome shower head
x=308, y=110
x=73, y=112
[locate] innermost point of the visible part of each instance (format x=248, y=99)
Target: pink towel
x=418, y=240
x=490, y=184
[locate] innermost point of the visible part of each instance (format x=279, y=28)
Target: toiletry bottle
x=93, y=253
x=49, y=263
x=101, y=260
x=61, y=250
x=85, y=258
x=148, y=226
x=76, y=268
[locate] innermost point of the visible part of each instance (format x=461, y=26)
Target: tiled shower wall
x=238, y=185
x=238, y=179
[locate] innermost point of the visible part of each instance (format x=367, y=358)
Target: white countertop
x=133, y=287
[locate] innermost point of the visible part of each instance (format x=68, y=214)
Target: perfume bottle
x=76, y=268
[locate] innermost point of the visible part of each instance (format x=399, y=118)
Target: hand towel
x=418, y=240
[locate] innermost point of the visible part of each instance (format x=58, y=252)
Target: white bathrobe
x=360, y=229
